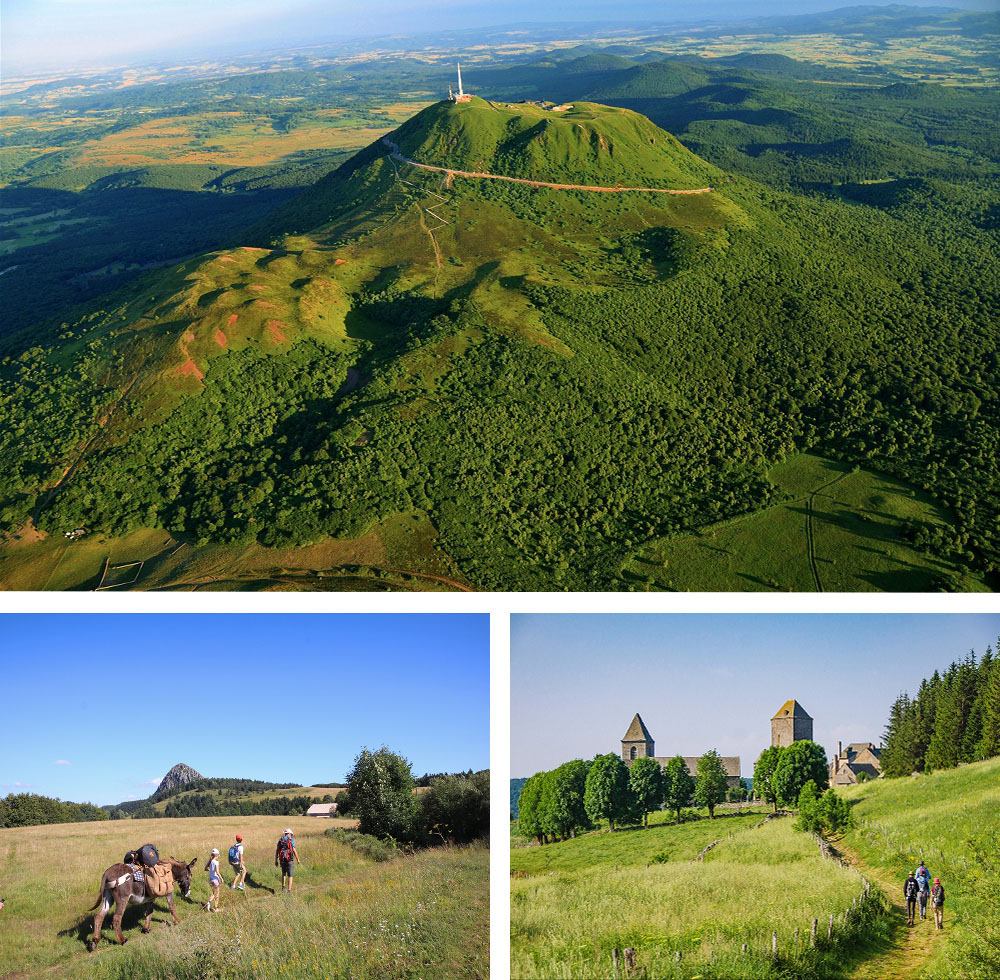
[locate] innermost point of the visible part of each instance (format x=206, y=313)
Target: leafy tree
x=763, y=775
x=457, y=807
x=529, y=820
x=567, y=812
x=799, y=762
x=678, y=785
x=380, y=788
x=710, y=781
x=645, y=777
x=607, y=795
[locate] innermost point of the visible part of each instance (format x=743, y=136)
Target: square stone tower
x=637, y=742
x=791, y=724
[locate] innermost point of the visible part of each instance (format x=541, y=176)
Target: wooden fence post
x=678, y=956
x=796, y=942
x=629, y=955
x=744, y=949
x=812, y=934
x=614, y=960
x=829, y=931
x=774, y=944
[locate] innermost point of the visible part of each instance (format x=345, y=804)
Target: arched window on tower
x=631, y=752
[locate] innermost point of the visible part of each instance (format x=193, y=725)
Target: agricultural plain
x=424, y=915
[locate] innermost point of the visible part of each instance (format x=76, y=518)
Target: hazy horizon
x=59, y=35
x=714, y=681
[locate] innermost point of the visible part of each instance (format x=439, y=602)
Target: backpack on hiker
x=937, y=895
x=285, y=849
x=234, y=855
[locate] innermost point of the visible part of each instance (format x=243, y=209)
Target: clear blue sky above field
x=286, y=698
x=714, y=681
x=39, y=33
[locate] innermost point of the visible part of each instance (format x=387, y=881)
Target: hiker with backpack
x=937, y=900
x=910, y=889
x=236, y=863
x=924, y=886
x=214, y=880
x=286, y=855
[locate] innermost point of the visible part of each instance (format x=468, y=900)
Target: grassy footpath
x=568, y=914
x=935, y=817
x=423, y=916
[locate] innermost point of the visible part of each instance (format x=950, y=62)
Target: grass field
x=765, y=879
x=837, y=530
x=424, y=915
x=934, y=817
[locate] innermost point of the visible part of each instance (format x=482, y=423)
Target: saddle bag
x=160, y=880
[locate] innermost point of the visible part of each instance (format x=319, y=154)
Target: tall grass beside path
x=763, y=881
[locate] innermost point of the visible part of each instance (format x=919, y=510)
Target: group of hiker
x=285, y=856
x=918, y=890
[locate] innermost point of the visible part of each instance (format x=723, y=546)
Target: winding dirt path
x=811, y=533
x=450, y=173
x=912, y=947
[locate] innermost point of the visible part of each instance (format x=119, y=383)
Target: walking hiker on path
x=910, y=889
x=286, y=854
x=923, y=877
x=937, y=900
x=924, y=884
x=214, y=880
x=236, y=863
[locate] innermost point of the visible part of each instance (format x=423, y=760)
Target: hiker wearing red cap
x=236, y=863
x=937, y=900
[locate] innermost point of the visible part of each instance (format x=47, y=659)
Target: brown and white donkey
x=119, y=888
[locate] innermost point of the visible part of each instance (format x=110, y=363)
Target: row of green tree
x=208, y=805
x=380, y=796
x=28, y=809
x=954, y=719
x=578, y=795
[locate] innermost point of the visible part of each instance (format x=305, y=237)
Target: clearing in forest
x=837, y=529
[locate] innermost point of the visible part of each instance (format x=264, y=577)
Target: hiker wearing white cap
x=214, y=880
x=286, y=855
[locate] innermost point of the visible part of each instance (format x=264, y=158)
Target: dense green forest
x=29, y=809
x=953, y=719
x=661, y=357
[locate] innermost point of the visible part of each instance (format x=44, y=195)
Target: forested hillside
x=554, y=381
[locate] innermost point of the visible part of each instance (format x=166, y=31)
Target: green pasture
x=836, y=525
x=937, y=818
x=348, y=917
x=637, y=846
x=761, y=881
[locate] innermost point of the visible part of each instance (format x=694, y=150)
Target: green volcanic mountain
x=409, y=377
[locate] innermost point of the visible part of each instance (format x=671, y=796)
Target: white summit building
x=461, y=95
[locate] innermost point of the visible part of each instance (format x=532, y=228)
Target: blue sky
x=714, y=681
x=70, y=32
x=287, y=698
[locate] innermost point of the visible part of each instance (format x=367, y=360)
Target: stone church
x=637, y=743
x=791, y=724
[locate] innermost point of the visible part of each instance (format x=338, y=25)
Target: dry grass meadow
x=419, y=916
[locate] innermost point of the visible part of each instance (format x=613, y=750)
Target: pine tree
x=990, y=744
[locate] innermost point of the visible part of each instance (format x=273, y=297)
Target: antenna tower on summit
x=460, y=95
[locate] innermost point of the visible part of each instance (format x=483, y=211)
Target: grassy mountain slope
x=950, y=819
x=526, y=385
